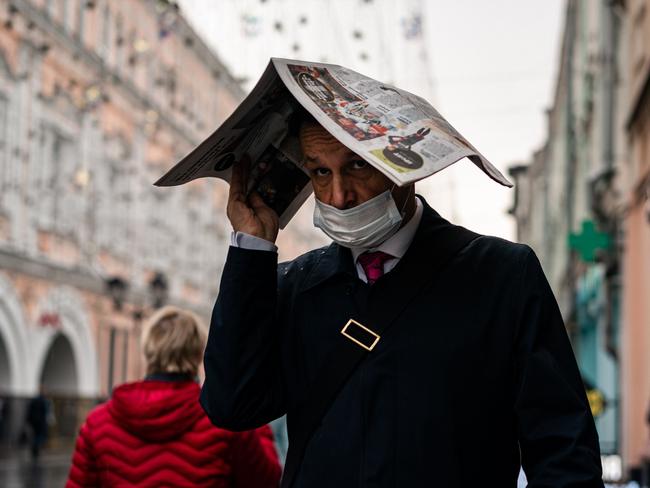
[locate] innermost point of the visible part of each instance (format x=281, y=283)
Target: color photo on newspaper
x=349, y=111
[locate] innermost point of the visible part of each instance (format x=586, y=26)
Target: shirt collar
x=397, y=244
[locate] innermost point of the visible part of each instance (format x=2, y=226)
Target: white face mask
x=366, y=225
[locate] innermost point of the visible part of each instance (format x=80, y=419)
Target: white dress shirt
x=396, y=245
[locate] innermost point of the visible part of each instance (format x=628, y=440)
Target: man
x=38, y=412
x=475, y=374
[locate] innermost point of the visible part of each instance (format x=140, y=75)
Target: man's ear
x=405, y=198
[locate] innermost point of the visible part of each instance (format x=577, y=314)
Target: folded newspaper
x=398, y=133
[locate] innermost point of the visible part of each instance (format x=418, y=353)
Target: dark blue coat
x=477, y=369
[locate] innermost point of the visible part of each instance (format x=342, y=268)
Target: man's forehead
x=315, y=140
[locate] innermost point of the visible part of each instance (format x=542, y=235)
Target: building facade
x=635, y=219
x=97, y=100
x=567, y=207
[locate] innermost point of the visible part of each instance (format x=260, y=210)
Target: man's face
x=340, y=177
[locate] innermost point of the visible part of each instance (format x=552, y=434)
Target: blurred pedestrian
x=4, y=417
x=38, y=412
x=154, y=433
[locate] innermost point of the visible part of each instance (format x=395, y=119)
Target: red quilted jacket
x=155, y=434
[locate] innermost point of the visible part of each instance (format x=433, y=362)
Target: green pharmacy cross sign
x=589, y=241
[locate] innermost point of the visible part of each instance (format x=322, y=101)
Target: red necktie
x=373, y=264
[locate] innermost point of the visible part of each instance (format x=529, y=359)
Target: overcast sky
x=491, y=71
x=495, y=64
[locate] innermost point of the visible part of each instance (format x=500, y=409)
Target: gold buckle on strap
x=364, y=335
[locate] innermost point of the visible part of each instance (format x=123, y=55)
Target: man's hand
x=250, y=215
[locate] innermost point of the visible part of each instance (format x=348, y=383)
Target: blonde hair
x=173, y=341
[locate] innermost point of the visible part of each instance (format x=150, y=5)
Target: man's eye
x=359, y=164
x=320, y=172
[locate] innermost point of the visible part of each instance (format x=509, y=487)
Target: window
x=3, y=145
x=49, y=7
x=638, y=39
x=113, y=189
x=81, y=17
x=119, y=43
x=105, y=32
x=57, y=172
x=59, y=205
x=66, y=15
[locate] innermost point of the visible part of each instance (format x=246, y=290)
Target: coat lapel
x=419, y=267
x=330, y=262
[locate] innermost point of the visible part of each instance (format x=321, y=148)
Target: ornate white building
x=97, y=100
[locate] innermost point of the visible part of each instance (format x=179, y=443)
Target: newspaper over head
x=398, y=133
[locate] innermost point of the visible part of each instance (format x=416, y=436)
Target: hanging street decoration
x=49, y=319
x=167, y=17
x=412, y=26
x=81, y=178
x=251, y=25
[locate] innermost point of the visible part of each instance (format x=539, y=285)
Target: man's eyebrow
x=307, y=159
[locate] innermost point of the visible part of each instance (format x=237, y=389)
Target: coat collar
x=337, y=260
x=332, y=261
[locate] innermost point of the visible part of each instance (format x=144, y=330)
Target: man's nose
x=342, y=197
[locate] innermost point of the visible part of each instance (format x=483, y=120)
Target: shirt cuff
x=252, y=243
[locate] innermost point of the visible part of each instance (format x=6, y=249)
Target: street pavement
x=17, y=470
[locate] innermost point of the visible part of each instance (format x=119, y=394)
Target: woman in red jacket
x=154, y=433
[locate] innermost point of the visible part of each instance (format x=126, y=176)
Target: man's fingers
x=256, y=201
x=238, y=181
x=260, y=207
x=249, y=214
x=265, y=215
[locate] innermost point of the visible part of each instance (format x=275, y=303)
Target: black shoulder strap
x=348, y=354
